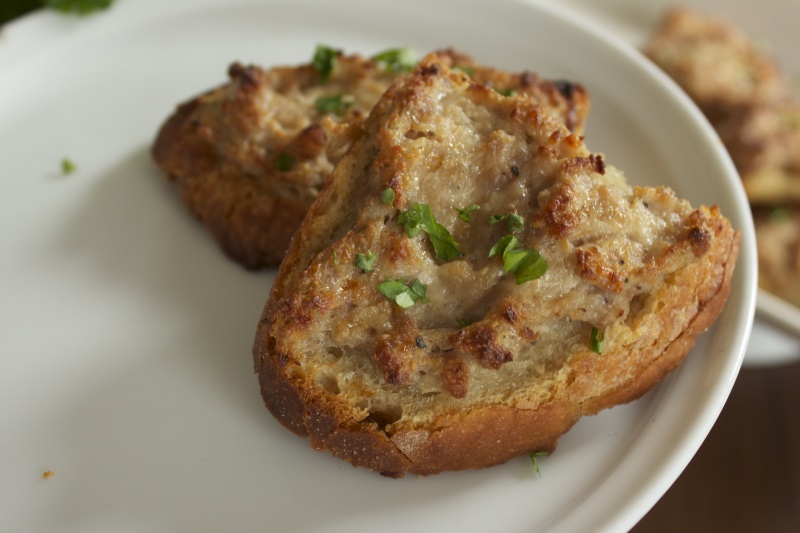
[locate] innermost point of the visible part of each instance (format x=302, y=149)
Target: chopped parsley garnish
x=464, y=322
x=396, y=59
x=335, y=258
x=323, y=60
x=420, y=217
x=366, y=262
x=533, y=457
x=80, y=7
x=463, y=214
x=514, y=221
x=284, y=162
x=469, y=71
x=387, y=196
x=507, y=243
x=507, y=92
x=67, y=166
x=596, y=341
x=526, y=264
x=404, y=295
x=337, y=104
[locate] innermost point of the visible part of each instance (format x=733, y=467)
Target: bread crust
x=651, y=291
x=222, y=149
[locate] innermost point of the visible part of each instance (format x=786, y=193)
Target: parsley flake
x=67, y=166
x=533, y=457
x=514, y=222
x=469, y=71
x=387, y=196
x=596, y=341
x=404, y=295
x=79, y=7
x=507, y=92
x=323, y=61
x=526, y=264
x=366, y=262
x=284, y=162
x=464, y=214
x=420, y=217
x=336, y=104
x=396, y=59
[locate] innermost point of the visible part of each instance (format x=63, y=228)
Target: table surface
x=746, y=475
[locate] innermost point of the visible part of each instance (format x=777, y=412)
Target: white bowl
x=126, y=366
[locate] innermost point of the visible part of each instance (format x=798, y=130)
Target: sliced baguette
x=488, y=369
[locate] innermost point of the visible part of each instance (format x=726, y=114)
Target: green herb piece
x=404, y=295
x=387, y=196
x=337, y=104
x=514, y=222
x=284, y=162
x=323, y=61
x=596, y=341
x=420, y=217
x=533, y=457
x=469, y=71
x=463, y=214
x=335, y=258
x=67, y=166
x=79, y=7
x=506, y=244
x=396, y=59
x=366, y=262
x=464, y=322
x=525, y=263
x=507, y=92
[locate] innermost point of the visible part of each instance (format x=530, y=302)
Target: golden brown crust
x=488, y=369
x=250, y=156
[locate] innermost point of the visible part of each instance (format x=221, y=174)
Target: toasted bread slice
x=250, y=157
x=744, y=94
x=421, y=355
x=722, y=69
x=778, y=237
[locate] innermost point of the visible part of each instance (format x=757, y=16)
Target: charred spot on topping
x=529, y=335
x=420, y=342
x=598, y=164
x=700, y=241
x=528, y=79
x=400, y=249
x=309, y=143
x=246, y=76
x=510, y=314
x=593, y=163
x=481, y=343
x=392, y=361
x=558, y=214
x=566, y=88
x=430, y=70
x=515, y=170
x=455, y=375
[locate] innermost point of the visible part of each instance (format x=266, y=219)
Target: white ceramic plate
x=125, y=366
x=773, y=23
